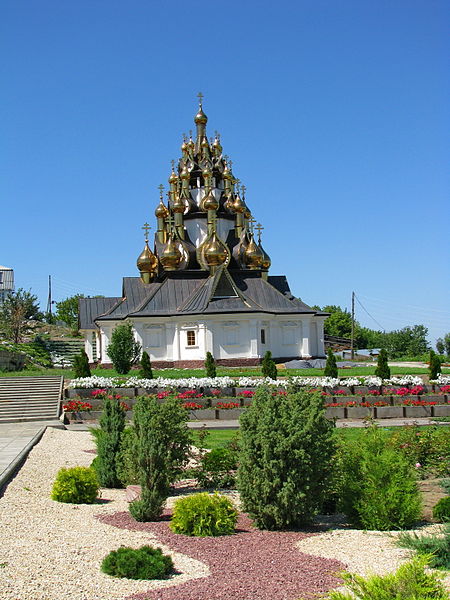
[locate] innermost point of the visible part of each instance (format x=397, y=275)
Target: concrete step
x=30, y=398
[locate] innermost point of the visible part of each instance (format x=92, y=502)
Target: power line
x=373, y=318
x=422, y=308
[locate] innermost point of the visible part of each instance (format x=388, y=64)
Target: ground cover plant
x=77, y=485
x=204, y=515
x=141, y=563
x=435, y=546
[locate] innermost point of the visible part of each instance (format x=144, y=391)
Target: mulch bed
x=249, y=565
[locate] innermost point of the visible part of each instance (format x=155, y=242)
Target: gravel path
x=52, y=551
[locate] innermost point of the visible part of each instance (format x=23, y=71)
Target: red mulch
x=249, y=565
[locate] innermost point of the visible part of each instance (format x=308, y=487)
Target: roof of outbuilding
x=91, y=308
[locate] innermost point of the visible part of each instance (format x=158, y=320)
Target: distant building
x=6, y=281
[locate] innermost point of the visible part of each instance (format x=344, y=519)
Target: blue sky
x=335, y=114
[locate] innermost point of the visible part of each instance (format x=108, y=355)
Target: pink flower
x=418, y=465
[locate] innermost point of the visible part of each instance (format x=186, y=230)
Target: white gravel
x=52, y=551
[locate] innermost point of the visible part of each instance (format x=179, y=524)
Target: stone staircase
x=30, y=398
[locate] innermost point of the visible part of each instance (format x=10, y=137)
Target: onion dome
x=253, y=255
x=210, y=202
x=161, y=211
x=238, y=205
x=184, y=146
x=200, y=117
x=206, y=172
x=184, y=173
x=247, y=213
x=178, y=205
x=191, y=144
x=215, y=252
x=217, y=146
x=266, y=262
x=205, y=144
x=227, y=173
x=173, y=177
x=170, y=257
x=147, y=261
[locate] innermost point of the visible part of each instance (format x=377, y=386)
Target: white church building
x=205, y=284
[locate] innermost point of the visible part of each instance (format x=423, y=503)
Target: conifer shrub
x=268, y=366
x=331, y=369
x=204, y=515
x=435, y=546
x=441, y=510
x=77, y=485
x=162, y=442
x=285, y=459
x=383, y=371
x=435, y=365
x=409, y=582
x=217, y=469
x=81, y=365
x=210, y=365
x=123, y=350
x=141, y=563
x=146, y=367
x=112, y=424
x=126, y=463
x=378, y=485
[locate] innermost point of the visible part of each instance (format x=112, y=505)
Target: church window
x=190, y=337
x=263, y=336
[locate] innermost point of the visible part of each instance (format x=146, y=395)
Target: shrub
x=409, y=582
x=143, y=563
x=331, y=369
x=287, y=446
x=203, y=515
x=435, y=365
x=429, y=447
x=77, y=485
x=146, y=367
x=112, y=424
x=126, y=461
x=378, y=486
x=210, y=365
x=445, y=485
x=217, y=469
x=441, y=510
x=123, y=350
x=436, y=547
x=268, y=366
x=383, y=371
x=81, y=365
x=162, y=442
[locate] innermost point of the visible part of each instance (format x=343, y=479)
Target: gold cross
x=170, y=222
x=146, y=228
x=250, y=223
x=200, y=98
x=190, y=134
x=243, y=188
x=161, y=190
x=172, y=162
x=259, y=228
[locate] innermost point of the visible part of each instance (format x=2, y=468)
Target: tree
x=112, y=424
x=123, y=349
x=339, y=323
x=146, y=367
x=434, y=365
x=285, y=462
x=210, y=365
x=331, y=369
x=15, y=312
x=268, y=366
x=447, y=343
x=409, y=341
x=81, y=365
x=440, y=346
x=67, y=311
x=383, y=371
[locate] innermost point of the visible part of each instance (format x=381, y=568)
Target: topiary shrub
x=77, y=485
x=81, y=365
x=210, y=365
x=112, y=424
x=436, y=546
x=268, y=366
x=383, y=369
x=204, y=515
x=141, y=563
x=146, y=367
x=378, y=485
x=435, y=365
x=285, y=460
x=217, y=469
x=441, y=510
x=331, y=369
x=123, y=350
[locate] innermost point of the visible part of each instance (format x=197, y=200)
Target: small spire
x=146, y=229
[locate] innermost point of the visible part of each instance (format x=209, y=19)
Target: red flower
x=227, y=405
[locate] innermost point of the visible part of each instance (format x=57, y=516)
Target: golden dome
x=200, y=117
x=238, y=205
x=170, y=256
x=227, y=173
x=147, y=261
x=206, y=172
x=209, y=202
x=247, y=213
x=184, y=173
x=178, y=205
x=173, y=177
x=184, y=146
x=266, y=262
x=161, y=211
x=253, y=255
x=217, y=145
x=215, y=252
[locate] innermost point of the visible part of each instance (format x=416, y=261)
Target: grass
x=221, y=371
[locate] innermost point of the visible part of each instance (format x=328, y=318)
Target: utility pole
x=49, y=302
x=352, y=346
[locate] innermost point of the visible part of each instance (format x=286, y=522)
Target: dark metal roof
x=90, y=309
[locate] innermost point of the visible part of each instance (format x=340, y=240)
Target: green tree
x=409, y=341
x=268, y=366
x=17, y=309
x=123, y=349
x=67, y=311
x=447, y=343
x=285, y=460
x=434, y=365
x=383, y=369
x=81, y=365
x=440, y=346
x=339, y=323
x=112, y=424
x=210, y=365
x=146, y=367
x=331, y=369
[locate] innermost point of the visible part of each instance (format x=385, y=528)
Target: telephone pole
x=352, y=346
x=49, y=302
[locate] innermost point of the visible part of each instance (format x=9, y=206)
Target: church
x=204, y=284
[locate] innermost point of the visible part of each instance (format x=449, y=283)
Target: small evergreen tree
x=123, y=349
x=146, y=367
x=81, y=365
x=162, y=442
x=285, y=462
x=268, y=366
x=435, y=365
x=440, y=346
x=331, y=369
x=383, y=371
x=210, y=365
x=112, y=424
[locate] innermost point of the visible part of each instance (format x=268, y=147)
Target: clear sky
x=335, y=114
